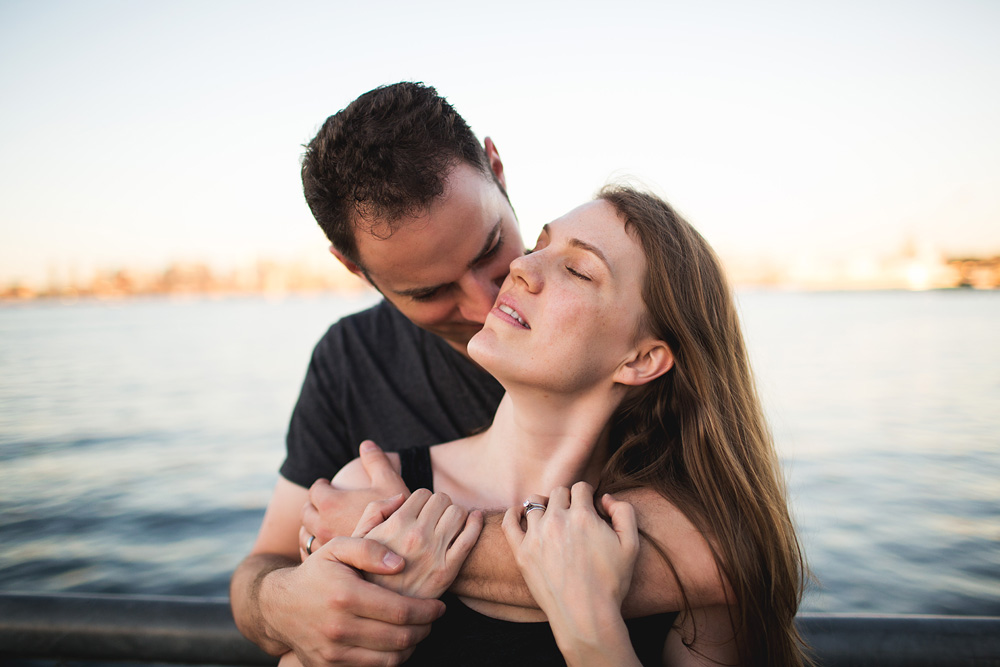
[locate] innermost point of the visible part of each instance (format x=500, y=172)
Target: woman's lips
x=511, y=314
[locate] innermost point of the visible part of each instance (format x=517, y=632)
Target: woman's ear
x=652, y=358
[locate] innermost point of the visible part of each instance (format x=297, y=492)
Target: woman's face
x=569, y=313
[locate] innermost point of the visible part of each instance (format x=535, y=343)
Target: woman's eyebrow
x=583, y=245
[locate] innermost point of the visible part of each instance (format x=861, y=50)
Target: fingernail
x=367, y=446
x=392, y=560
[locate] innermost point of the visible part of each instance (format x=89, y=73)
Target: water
x=886, y=409
x=139, y=441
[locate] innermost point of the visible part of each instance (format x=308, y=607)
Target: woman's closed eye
x=577, y=274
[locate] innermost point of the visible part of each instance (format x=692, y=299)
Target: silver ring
x=529, y=506
x=309, y=545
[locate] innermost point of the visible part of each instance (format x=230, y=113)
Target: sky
x=135, y=134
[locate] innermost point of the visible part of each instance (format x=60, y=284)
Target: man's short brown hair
x=384, y=156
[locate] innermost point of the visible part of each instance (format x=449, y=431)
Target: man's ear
x=351, y=266
x=651, y=359
x=495, y=164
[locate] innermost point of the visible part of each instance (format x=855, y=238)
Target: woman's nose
x=525, y=270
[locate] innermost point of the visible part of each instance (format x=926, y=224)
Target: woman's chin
x=479, y=347
x=484, y=349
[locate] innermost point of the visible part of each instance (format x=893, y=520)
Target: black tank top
x=463, y=636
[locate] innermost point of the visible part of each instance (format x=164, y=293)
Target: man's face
x=443, y=268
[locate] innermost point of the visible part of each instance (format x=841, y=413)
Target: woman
x=619, y=346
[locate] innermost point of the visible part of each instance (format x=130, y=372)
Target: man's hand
x=433, y=534
x=333, y=511
x=329, y=615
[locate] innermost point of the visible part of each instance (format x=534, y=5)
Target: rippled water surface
x=139, y=441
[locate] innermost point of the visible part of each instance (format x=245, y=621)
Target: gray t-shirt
x=375, y=375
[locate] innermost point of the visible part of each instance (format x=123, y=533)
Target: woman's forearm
x=578, y=567
x=593, y=637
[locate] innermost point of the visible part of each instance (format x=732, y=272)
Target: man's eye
x=427, y=296
x=494, y=250
x=577, y=274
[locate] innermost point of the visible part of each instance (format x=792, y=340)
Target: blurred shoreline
x=908, y=270
x=264, y=277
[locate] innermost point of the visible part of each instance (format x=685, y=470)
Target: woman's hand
x=433, y=535
x=578, y=568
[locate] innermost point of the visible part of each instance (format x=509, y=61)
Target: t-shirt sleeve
x=317, y=441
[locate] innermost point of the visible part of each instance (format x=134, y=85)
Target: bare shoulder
x=663, y=520
x=354, y=476
x=689, y=549
x=703, y=636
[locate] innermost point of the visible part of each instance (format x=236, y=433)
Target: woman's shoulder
x=354, y=476
x=661, y=514
x=690, y=550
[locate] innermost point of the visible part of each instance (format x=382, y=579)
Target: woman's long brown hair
x=698, y=436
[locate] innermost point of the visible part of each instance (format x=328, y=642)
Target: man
x=416, y=206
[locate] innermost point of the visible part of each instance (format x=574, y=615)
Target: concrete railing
x=190, y=630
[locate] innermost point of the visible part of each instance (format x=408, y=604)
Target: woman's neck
x=536, y=443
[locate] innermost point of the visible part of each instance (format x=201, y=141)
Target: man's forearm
x=490, y=573
x=245, y=598
x=656, y=585
x=654, y=588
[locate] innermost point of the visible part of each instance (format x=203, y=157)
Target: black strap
x=416, y=468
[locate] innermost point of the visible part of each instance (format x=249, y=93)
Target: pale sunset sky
x=134, y=134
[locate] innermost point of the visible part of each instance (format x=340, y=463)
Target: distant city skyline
x=137, y=135
x=912, y=268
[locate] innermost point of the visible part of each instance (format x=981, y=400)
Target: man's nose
x=479, y=292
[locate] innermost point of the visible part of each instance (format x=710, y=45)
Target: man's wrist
x=259, y=593
x=265, y=590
